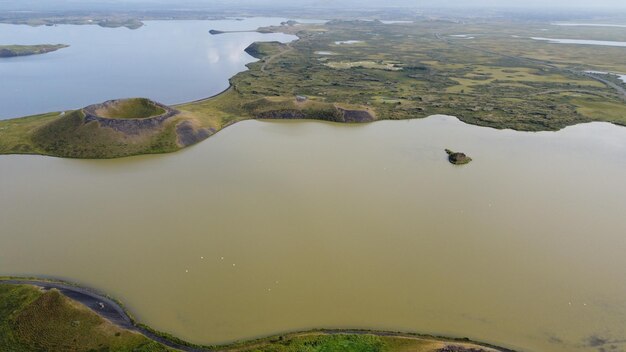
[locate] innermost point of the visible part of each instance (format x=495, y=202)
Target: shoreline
x=113, y=310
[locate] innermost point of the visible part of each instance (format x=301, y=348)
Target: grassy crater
x=135, y=108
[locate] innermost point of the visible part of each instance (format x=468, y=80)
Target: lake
x=167, y=61
x=573, y=24
x=277, y=226
x=269, y=227
x=581, y=41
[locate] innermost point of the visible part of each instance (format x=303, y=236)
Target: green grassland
x=32, y=320
x=498, y=78
x=25, y=50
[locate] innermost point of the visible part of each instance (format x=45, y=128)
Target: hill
x=32, y=320
x=112, y=129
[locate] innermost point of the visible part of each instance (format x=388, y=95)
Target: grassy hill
x=70, y=136
x=32, y=321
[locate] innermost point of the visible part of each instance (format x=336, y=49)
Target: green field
x=496, y=77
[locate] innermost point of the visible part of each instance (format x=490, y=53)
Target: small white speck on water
x=186, y=271
x=201, y=257
x=570, y=303
x=584, y=304
x=269, y=289
x=222, y=258
x=234, y=264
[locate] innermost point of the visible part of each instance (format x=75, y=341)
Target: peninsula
x=25, y=50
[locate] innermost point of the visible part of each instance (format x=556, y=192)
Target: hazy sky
x=65, y=4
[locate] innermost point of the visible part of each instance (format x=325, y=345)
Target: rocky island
x=25, y=50
x=457, y=158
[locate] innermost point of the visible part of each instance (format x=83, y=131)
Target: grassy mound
x=69, y=136
x=136, y=108
x=31, y=320
x=260, y=50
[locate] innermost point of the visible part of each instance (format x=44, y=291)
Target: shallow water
x=572, y=24
x=581, y=41
x=327, y=225
x=348, y=42
x=168, y=61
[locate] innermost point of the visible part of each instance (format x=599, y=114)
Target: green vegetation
x=499, y=78
x=136, y=108
x=112, y=21
x=260, y=50
x=70, y=136
x=25, y=50
x=32, y=320
x=329, y=343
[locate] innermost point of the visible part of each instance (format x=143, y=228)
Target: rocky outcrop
x=356, y=115
x=333, y=115
x=187, y=134
x=457, y=158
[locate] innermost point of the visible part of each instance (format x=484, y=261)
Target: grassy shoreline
x=250, y=344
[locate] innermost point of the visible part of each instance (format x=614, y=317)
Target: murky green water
x=272, y=226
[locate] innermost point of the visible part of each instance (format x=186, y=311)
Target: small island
x=457, y=158
x=26, y=50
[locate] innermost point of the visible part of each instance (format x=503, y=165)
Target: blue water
x=168, y=61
